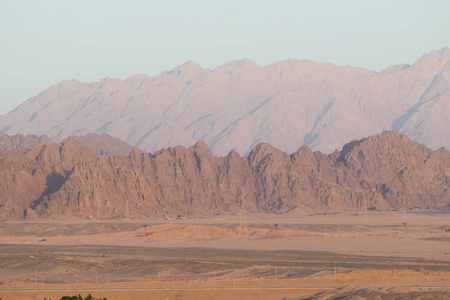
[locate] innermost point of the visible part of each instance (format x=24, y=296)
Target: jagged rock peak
x=233, y=153
x=265, y=148
x=304, y=152
x=135, y=152
x=441, y=54
x=262, y=151
x=188, y=69
x=434, y=60
x=202, y=147
x=388, y=139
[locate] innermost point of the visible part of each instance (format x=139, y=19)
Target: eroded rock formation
x=68, y=180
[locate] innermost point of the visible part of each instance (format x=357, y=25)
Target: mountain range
x=240, y=104
x=69, y=180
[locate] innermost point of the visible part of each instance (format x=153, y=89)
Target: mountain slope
x=240, y=104
x=69, y=181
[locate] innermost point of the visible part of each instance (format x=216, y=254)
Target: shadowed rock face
x=69, y=180
x=240, y=104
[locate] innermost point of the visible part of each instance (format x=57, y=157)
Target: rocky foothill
x=41, y=179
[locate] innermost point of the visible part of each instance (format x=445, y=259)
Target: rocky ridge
x=69, y=180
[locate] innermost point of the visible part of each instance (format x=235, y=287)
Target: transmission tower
x=98, y=208
x=242, y=219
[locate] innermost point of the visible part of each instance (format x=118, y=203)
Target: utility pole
x=98, y=208
x=242, y=217
x=365, y=212
x=404, y=211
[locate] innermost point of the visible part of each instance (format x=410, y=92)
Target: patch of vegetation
x=88, y=297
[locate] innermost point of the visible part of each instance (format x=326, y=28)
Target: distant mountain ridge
x=240, y=104
x=103, y=145
x=69, y=180
x=19, y=142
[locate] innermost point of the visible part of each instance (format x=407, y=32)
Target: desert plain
x=391, y=255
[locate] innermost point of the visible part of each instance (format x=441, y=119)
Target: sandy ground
x=272, y=257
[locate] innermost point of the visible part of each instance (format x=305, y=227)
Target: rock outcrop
x=69, y=180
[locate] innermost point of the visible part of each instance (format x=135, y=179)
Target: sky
x=45, y=42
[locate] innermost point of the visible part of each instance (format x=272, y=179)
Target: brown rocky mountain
x=69, y=181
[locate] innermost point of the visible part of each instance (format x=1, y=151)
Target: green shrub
x=88, y=297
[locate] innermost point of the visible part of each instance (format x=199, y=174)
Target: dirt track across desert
x=273, y=257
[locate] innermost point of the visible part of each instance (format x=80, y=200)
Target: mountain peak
x=436, y=59
x=441, y=52
x=238, y=65
x=189, y=67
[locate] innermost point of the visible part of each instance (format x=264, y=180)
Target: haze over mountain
x=240, y=104
x=103, y=145
x=69, y=180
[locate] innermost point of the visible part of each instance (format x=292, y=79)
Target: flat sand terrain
x=267, y=257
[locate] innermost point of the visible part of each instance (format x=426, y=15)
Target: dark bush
x=88, y=297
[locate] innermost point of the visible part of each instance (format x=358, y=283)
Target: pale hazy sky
x=45, y=42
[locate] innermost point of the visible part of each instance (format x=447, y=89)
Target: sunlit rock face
x=70, y=180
